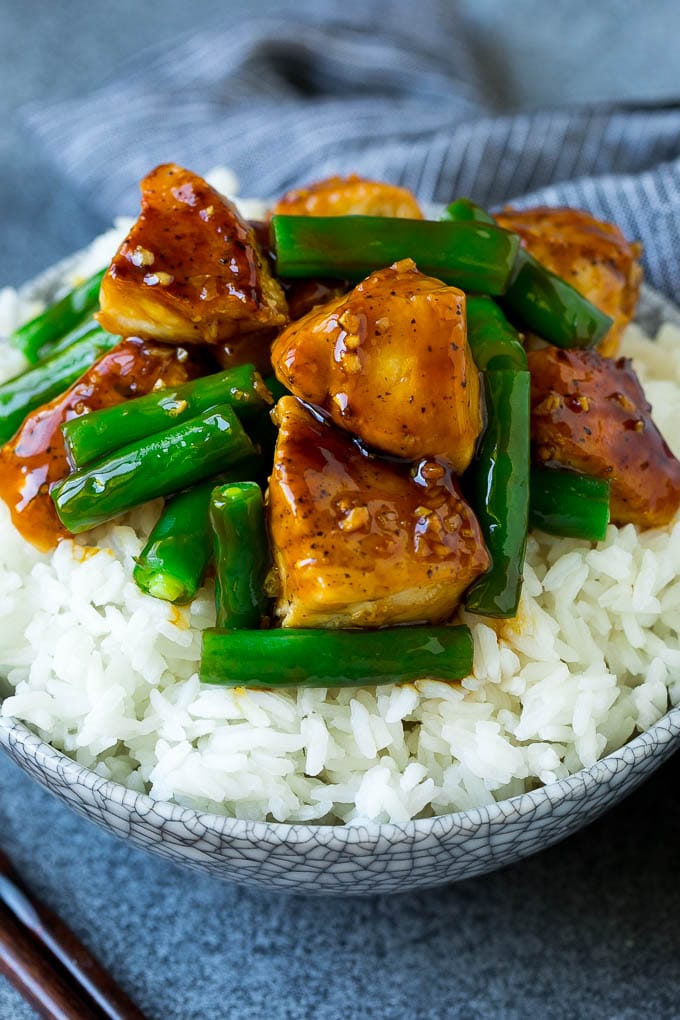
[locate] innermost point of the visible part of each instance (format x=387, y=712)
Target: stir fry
x=432, y=390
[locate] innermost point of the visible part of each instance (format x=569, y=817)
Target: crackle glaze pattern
x=355, y=860
x=361, y=859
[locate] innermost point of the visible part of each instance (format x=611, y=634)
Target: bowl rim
x=666, y=731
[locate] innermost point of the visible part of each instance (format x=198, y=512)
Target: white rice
x=109, y=674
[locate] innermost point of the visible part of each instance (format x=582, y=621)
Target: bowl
x=356, y=859
x=349, y=859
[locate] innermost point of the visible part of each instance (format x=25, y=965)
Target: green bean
x=542, y=302
x=335, y=658
x=241, y=554
x=172, y=564
x=20, y=396
x=154, y=466
x=569, y=504
x=85, y=328
x=462, y=210
x=468, y=255
x=493, y=341
x=500, y=470
x=58, y=319
x=551, y=308
x=95, y=435
x=500, y=485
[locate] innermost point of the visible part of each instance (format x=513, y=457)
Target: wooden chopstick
x=46, y=957
x=48, y=989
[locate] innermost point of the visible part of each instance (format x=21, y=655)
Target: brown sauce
x=35, y=458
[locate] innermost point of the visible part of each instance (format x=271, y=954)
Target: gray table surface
x=590, y=928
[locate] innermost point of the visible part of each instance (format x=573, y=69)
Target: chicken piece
x=360, y=542
x=589, y=413
x=36, y=457
x=593, y=256
x=349, y=196
x=190, y=270
x=390, y=362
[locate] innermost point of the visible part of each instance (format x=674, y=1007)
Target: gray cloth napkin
x=284, y=100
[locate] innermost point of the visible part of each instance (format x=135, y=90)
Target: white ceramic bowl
x=352, y=859
x=355, y=860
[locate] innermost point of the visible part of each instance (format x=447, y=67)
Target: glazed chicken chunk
x=390, y=363
x=593, y=256
x=349, y=196
x=190, y=270
x=360, y=542
x=589, y=413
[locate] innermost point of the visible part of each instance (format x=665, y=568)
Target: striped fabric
x=283, y=101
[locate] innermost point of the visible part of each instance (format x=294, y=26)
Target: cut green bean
x=493, y=341
x=548, y=306
x=541, y=302
x=500, y=471
x=569, y=504
x=155, y=466
x=335, y=658
x=468, y=255
x=173, y=563
x=95, y=435
x=58, y=319
x=85, y=328
x=241, y=554
x=500, y=485
x=462, y=210
x=20, y=396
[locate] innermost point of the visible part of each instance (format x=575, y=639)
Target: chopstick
x=45, y=961
x=49, y=990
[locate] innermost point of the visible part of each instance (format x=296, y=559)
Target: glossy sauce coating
x=190, y=270
x=359, y=541
x=590, y=414
x=349, y=196
x=252, y=349
x=591, y=255
x=305, y=295
x=390, y=362
x=36, y=457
